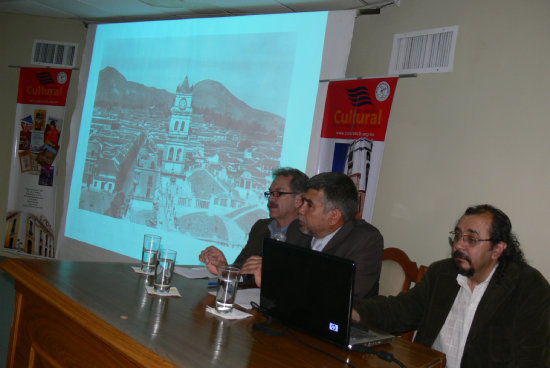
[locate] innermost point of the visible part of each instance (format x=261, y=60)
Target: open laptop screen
x=308, y=290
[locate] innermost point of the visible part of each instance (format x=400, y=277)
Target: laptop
x=313, y=292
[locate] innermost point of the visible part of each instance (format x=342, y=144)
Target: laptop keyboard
x=358, y=332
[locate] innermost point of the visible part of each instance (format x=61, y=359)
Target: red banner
x=43, y=86
x=358, y=108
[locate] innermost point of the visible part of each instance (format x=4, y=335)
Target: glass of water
x=228, y=281
x=151, y=245
x=166, y=260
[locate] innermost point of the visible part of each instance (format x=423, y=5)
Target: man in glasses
x=330, y=203
x=484, y=307
x=283, y=201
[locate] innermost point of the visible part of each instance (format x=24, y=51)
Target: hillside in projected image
x=195, y=160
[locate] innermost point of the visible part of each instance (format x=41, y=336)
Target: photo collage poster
x=38, y=124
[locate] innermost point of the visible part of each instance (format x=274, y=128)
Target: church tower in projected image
x=181, y=111
x=177, y=142
x=173, y=170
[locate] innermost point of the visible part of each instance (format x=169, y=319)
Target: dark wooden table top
x=111, y=300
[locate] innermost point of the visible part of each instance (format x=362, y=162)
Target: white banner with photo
x=355, y=120
x=38, y=123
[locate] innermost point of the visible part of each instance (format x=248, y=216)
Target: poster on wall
x=354, y=131
x=38, y=124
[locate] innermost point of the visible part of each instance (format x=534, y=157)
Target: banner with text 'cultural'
x=39, y=118
x=354, y=128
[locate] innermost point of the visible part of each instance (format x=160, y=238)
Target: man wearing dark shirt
x=283, y=201
x=484, y=307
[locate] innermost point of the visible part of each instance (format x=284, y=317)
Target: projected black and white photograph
x=195, y=161
x=182, y=125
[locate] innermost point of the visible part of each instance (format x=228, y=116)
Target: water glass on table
x=151, y=245
x=228, y=281
x=166, y=260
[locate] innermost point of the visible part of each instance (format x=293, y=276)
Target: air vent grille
x=427, y=51
x=52, y=53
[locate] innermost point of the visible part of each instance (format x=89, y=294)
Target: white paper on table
x=194, y=272
x=245, y=296
x=173, y=291
x=234, y=314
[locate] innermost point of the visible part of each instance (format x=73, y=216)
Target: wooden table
x=79, y=314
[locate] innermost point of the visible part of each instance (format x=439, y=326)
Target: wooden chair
x=398, y=272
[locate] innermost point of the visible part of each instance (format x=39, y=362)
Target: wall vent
x=427, y=51
x=52, y=53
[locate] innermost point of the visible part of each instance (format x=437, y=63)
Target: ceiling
x=128, y=10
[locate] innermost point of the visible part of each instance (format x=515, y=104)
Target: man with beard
x=328, y=215
x=283, y=201
x=485, y=307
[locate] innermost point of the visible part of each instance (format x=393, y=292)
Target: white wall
x=478, y=134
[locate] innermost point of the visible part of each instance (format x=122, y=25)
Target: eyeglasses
x=468, y=239
x=276, y=194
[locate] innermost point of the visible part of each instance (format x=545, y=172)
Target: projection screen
x=180, y=123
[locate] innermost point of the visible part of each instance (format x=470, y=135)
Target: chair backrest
x=398, y=272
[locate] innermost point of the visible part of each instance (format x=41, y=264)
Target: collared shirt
x=319, y=244
x=276, y=231
x=452, y=337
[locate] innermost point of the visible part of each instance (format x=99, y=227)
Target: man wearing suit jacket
x=283, y=200
x=328, y=215
x=484, y=307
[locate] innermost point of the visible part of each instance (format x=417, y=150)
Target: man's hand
x=253, y=266
x=355, y=317
x=213, y=258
